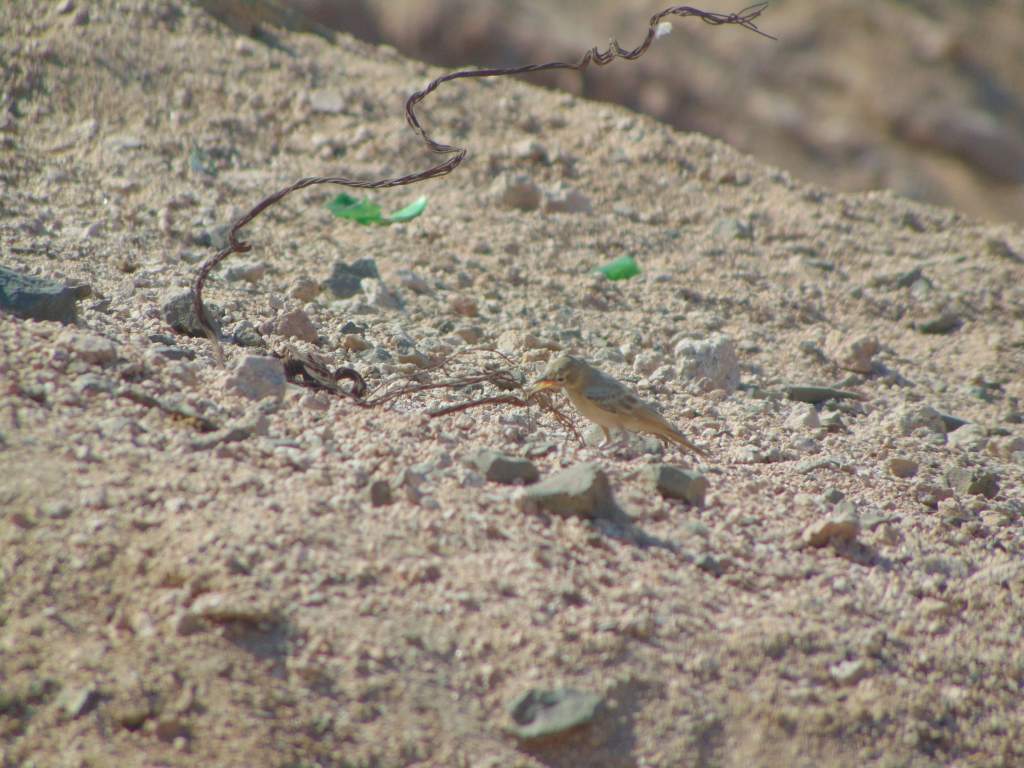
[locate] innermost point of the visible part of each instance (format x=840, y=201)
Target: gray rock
x=854, y=353
x=304, y=288
x=975, y=482
x=227, y=608
x=833, y=496
x=970, y=437
x=246, y=335
x=326, y=101
x=951, y=422
x=709, y=564
x=712, y=358
x=848, y=672
x=346, y=279
x=296, y=325
x=89, y=347
x=172, y=352
x=839, y=528
x=915, y=417
x=565, y=199
x=257, y=377
x=802, y=418
x=580, y=491
x=734, y=229
x=56, y=510
x=942, y=323
x=215, y=237
x=901, y=467
x=249, y=271
x=812, y=394
x=542, y=714
x=34, y=298
x=530, y=149
x=76, y=701
x=516, y=191
x=675, y=483
x=412, y=281
x=379, y=295
x=502, y=468
x=365, y=267
x=380, y=493
x=1001, y=249
x=355, y=342
x=177, y=312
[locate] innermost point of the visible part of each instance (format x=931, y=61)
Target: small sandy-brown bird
x=607, y=402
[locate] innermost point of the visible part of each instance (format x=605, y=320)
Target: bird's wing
x=611, y=396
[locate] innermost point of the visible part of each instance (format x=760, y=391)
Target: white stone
x=713, y=358
x=256, y=377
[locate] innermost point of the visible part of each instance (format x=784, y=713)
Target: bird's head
x=562, y=372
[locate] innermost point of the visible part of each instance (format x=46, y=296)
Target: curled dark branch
x=746, y=18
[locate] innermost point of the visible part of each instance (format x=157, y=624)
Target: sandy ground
x=175, y=597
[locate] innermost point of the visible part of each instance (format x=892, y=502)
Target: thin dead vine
x=745, y=18
x=312, y=372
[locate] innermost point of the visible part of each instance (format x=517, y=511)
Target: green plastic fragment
x=621, y=268
x=410, y=212
x=367, y=212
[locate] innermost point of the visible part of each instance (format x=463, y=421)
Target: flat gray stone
x=541, y=714
x=35, y=298
x=813, y=394
x=502, y=468
x=580, y=491
x=676, y=483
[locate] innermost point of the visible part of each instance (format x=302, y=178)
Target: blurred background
x=925, y=97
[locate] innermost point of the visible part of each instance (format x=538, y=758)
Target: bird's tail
x=679, y=439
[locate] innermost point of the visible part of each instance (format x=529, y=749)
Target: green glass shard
x=345, y=206
x=621, y=268
x=410, y=212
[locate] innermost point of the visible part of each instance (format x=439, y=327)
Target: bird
x=607, y=401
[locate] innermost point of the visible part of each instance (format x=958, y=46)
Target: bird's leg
x=607, y=436
x=624, y=444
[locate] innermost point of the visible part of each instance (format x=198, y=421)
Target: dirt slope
x=174, y=597
x=920, y=97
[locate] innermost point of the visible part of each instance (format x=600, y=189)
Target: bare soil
x=172, y=600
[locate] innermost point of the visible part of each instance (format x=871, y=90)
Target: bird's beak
x=540, y=384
